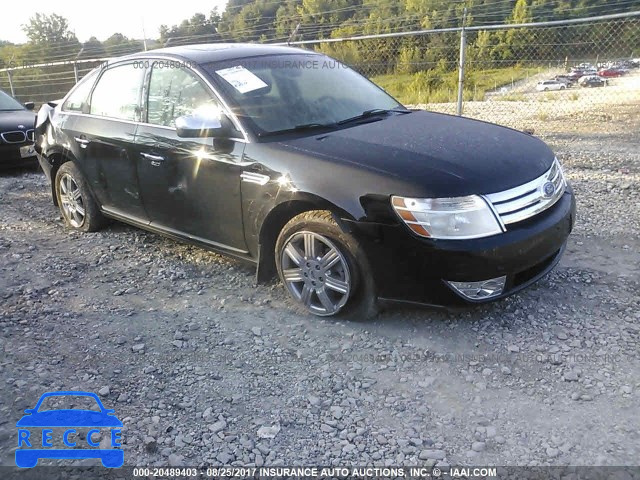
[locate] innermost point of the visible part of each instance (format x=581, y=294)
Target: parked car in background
x=550, y=85
x=345, y=194
x=568, y=81
x=17, y=122
x=574, y=76
x=577, y=74
x=612, y=72
x=592, y=81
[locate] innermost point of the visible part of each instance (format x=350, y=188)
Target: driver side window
x=174, y=92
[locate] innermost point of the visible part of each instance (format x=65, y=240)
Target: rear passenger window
x=117, y=94
x=78, y=100
x=174, y=92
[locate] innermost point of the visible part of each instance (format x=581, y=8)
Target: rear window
x=78, y=100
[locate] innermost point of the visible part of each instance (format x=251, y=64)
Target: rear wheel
x=79, y=209
x=324, y=269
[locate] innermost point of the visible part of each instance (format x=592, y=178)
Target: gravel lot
x=205, y=369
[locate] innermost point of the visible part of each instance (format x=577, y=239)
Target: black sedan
x=16, y=132
x=291, y=160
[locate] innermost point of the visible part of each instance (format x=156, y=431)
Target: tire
x=79, y=209
x=342, y=286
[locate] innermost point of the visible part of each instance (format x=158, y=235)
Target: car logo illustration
x=33, y=446
x=548, y=189
x=21, y=127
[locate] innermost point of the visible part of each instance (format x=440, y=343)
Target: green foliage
x=439, y=85
x=199, y=26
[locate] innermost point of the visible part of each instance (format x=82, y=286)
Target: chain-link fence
x=528, y=75
x=522, y=76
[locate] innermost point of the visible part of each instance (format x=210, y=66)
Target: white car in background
x=550, y=85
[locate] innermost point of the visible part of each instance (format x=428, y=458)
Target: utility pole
x=293, y=34
x=463, y=45
x=13, y=93
x=144, y=36
x=75, y=64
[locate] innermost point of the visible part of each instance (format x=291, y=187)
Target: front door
x=190, y=186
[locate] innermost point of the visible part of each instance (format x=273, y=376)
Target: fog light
x=480, y=290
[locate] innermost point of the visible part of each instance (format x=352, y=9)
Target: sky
x=102, y=19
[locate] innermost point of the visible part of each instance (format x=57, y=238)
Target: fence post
x=13, y=93
x=75, y=71
x=463, y=44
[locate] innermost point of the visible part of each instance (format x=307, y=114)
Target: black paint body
x=352, y=171
x=11, y=121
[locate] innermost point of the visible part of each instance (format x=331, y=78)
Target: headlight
x=447, y=218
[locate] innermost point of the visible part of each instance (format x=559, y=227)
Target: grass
x=513, y=97
x=436, y=86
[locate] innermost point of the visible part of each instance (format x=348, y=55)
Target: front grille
x=525, y=201
x=14, y=137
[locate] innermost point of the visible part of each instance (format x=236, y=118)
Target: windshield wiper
x=299, y=128
x=371, y=113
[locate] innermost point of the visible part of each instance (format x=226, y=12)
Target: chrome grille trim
x=21, y=138
x=31, y=135
x=519, y=203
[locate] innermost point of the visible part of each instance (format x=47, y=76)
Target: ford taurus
x=292, y=161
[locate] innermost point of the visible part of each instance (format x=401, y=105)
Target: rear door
x=71, y=119
x=107, y=136
x=188, y=185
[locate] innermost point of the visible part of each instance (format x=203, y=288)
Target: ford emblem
x=548, y=189
x=21, y=127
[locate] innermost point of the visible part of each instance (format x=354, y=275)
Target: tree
x=93, y=48
x=50, y=38
x=199, y=28
x=48, y=29
x=118, y=44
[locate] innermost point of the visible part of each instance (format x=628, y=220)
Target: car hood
x=69, y=418
x=10, y=120
x=442, y=155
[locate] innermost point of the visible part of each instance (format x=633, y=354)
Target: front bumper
x=411, y=269
x=10, y=156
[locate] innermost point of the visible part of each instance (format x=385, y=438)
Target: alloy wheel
x=71, y=201
x=316, y=273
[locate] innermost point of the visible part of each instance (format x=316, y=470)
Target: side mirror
x=206, y=123
x=29, y=105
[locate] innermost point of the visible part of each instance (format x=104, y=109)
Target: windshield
x=65, y=402
x=281, y=92
x=9, y=103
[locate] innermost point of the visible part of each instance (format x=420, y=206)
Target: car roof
x=213, y=52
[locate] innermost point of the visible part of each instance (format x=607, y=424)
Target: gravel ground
x=205, y=369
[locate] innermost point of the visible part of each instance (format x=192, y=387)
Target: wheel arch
x=57, y=159
x=278, y=217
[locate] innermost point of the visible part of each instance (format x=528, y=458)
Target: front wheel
x=79, y=209
x=324, y=269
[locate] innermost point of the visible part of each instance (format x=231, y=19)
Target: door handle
x=83, y=142
x=156, y=160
